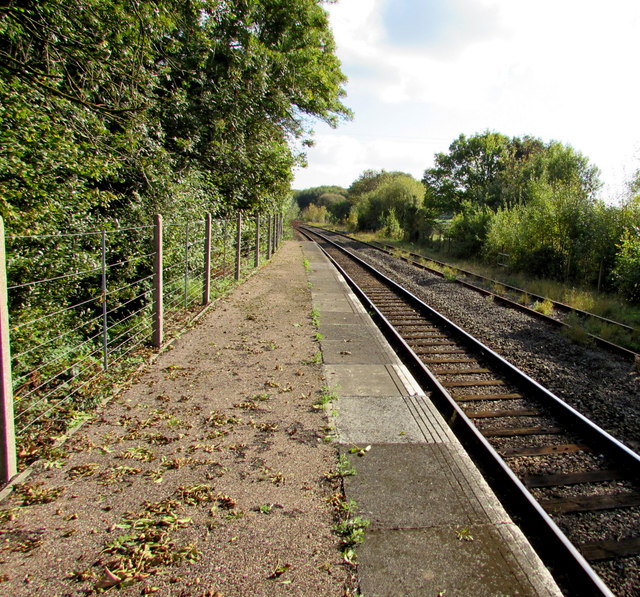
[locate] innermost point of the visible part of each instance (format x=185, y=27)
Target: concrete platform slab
x=342, y=318
x=436, y=561
x=366, y=420
x=336, y=352
x=410, y=486
x=368, y=380
x=351, y=333
x=328, y=302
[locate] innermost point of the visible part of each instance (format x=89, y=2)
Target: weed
x=545, y=307
x=141, y=453
x=82, y=470
x=218, y=419
x=316, y=359
x=449, y=274
x=327, y=395
x=118, y=473
x=315, y=318
x=265, y=509
x=524, y=298
x=197, y=494
x=266, y=427
x=32, y=494
x=576, y=331
x=351, y=531
x=9, y=514
x=328, y=433
x=247, y=405
x=306, y=264
x=498, y=288
x=147, y=546
x=343, y=469
x=268, y=474
x=318, y=337
x=234, y=515
x=174, y=423
x=464, y=534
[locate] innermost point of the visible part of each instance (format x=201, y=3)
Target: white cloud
x=556, y=69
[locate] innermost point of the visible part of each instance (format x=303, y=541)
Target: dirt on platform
x=208, y=476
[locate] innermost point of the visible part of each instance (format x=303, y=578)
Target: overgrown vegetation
x=111, y=112
x=529, y=205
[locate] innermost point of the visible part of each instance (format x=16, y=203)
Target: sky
x=421, y=72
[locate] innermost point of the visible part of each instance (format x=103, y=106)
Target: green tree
x=323, y=195
x=627, y=269
x=396, y=192
x=494, y=170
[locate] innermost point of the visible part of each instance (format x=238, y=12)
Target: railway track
x=483, y=284
x=573, y=488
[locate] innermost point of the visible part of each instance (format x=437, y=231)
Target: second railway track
x=573, y=478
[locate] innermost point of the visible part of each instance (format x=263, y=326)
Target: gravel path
x=205, y=478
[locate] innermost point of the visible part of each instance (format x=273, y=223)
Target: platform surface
x=436, y=528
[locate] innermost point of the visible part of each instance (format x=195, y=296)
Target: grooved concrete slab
x=336, y=352
x=434, y=562
x=410, y=486
x=365, y=420
x=364, y=380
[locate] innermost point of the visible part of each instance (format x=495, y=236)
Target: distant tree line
x=536, y=202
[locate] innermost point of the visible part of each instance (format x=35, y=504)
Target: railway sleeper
x=563, y=479
x=543, y=450
x=595, y=551
x=481, y=397
x=591, y=503
x=519, y=431
x=473, y=383
x=490, y=414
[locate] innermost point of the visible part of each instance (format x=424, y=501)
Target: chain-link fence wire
x=81, y=307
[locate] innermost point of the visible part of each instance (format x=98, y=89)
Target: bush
x=627, y=270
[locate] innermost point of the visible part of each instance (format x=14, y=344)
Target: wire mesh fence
x=86, y=307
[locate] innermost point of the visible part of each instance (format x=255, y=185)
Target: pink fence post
x=8, y=460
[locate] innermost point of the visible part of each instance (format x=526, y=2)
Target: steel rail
x=552, y=544
x=603, y=343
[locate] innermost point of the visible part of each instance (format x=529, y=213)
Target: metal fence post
x=186, y=265
x=224, y=247
x=256, y=260
x=105, y=331
x=206, y=293
x=269, y=236
x=158, y=291
x=8, y=460
x=238, y=245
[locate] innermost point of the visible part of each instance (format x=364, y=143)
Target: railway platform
x=435, y=527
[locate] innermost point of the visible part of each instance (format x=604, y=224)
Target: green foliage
x=391, y=226
x=392, y=202
x=314, y=213
x=109, y=110
x=325, y=195
x=627, y=268
x=494, y=170
x=468, y=228
x=561, y=233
